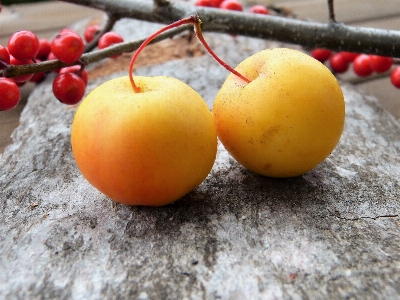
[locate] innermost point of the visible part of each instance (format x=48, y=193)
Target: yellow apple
x=287, y=120
x=147, y=148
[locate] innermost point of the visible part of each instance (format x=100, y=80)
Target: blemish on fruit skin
x=249, y=121
x=267, y=166
x=270, y=133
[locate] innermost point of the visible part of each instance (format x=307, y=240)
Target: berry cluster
x=232, y=5
x=24, y=47
x=363, y=64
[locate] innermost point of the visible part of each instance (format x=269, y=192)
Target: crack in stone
x=365, y=218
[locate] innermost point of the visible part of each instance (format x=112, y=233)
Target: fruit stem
x=197, y=29
x=196, y=22
x=148, y=40
x=82, y=67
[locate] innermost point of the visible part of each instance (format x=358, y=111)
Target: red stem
x=195, y=20
x=197, y=29
x=184, y=21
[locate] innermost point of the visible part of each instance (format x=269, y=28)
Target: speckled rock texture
x=332, y=233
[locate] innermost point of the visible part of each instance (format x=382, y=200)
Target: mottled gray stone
x=332, y=233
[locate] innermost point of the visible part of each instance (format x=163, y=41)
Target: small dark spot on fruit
x=267, y=166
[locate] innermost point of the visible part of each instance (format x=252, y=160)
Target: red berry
x=67, y=46
x=338, y=63
x=321, y=54
x=4, y=55
x=259, y=9
x=205, y=3
x=349, y=56
x=361, y=65
x=38, y=77
x=23, y=45
x=395, y=77
x=108, y=39
x=231, y=5
x=380, y=64
x=67, y=30
x=9, y=94
x=216, y=3
x=22, y=78
x=69, y=88
x=90, y=32
x=77, y=70
x=44, y=49
x=19, y=84
x=51, y=56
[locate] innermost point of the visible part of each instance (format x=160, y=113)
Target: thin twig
x=331, y=11
x=111, y=20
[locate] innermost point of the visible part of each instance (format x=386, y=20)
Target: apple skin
x=287, y=120
x=148, y=148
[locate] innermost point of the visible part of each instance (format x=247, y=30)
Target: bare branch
x=334, y=36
